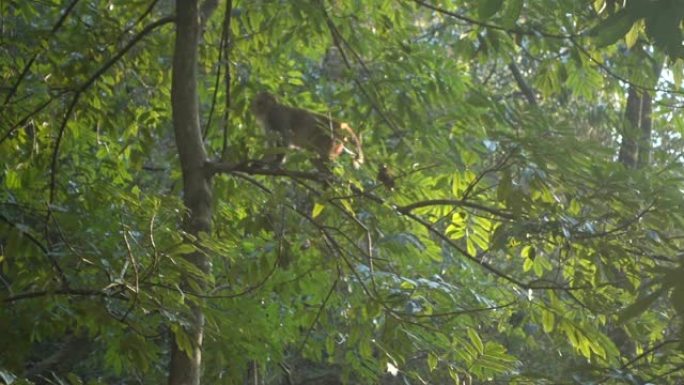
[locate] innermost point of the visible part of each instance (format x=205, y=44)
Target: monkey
x=302, y=129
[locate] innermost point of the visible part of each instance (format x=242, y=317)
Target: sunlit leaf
x=317, y=210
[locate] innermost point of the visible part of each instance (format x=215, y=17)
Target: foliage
x=514, y=248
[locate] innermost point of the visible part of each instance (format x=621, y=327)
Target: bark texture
x=185, y=369
x=635, y=148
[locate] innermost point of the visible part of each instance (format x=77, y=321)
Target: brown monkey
x=299, y=128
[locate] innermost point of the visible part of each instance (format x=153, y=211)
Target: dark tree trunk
x=646, y=125
x=185, y=367
x=637, y=136
x=630, y=131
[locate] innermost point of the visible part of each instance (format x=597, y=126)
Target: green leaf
x=633, y=35
x=584, y=347
x=613, y=28
x=347, y=205
x=527, y=265
x=678, y=72
x=599, y=5
x=487, y=8
x=432, y=361
x=529, y=252
x=182, y=339
x=470, y=246
x=478, y=238
x=548, y=320
x=183, y=248
x=12, y=179
x=475, y=340
x=499, y=238
x=317, y=210
x=664, y=27
x=537, y=267
x=456, y=184
x=598, y=349
x=642, y=304
x=74, y=379
x=511, y=13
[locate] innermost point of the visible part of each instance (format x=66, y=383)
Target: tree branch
x=28, y=65
x=74, y=292
x=247, y=168
x=453, y=202
x=522, y=84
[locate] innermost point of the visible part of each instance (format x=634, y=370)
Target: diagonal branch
x=522, y=84
x=453, y=202
x=338, y=41
x=515, y=30
x=28, y=65
x=68, y=292
x=43, y=249
x=108, y=64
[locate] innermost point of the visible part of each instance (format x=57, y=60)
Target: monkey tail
x=358, y=159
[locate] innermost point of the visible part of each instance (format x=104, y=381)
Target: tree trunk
x=185, y=367
x=629, y=147
x=646, y=126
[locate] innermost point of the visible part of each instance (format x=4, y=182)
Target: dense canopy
x=518, y=219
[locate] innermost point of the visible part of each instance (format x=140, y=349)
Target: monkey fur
x=299, y=128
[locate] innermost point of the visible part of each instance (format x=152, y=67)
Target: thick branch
x=453, y=202
x=213, y=168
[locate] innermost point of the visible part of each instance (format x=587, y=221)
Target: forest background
x=519, y=218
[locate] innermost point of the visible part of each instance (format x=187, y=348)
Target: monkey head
x=263, y=103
